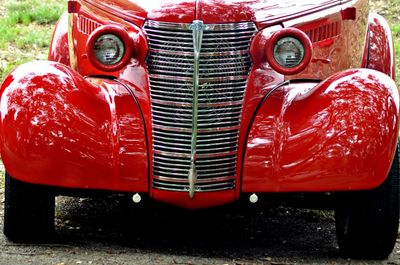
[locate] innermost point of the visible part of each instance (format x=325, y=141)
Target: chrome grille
x=224, y=66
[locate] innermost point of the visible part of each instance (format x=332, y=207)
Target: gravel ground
x=111, y=230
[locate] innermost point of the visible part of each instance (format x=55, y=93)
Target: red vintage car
x=199, y=103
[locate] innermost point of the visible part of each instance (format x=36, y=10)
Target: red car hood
x=213, y=11
x=182, y=11
x=259, y=11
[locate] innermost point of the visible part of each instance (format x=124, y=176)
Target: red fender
x=379, y=53
x=60, y=129
x=59, y=47
x=338, y=135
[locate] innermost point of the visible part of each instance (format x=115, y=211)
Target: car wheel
x=367, y=221
x=28, y=211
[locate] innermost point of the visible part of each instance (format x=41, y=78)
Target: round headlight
x=288, y=52
x=109, y=49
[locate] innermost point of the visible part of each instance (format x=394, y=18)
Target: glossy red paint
x=201, y=200
x=265, y=13
x=349, y=13
x=60, y=129
x=340, y=134
x=379, y=51
x=73, y=6
x=59, y=46
x=213, y=11
x=137, y=11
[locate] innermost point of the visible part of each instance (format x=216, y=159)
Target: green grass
x=25, y=28
x=390, y=9
x=34, y=11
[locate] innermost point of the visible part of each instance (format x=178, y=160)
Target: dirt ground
x=112, y=230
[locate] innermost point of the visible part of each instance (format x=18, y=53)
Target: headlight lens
x=289, y=52
x=109, y=49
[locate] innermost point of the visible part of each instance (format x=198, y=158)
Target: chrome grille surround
x=224, y=65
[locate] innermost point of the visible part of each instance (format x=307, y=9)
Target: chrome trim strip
x=202, y=162
x=211, y=75
x=221, y=49
x=173, y=129
x=174, y=164
x=182, y=88
x=166, y=42
x=239, y=84
x=199, y=156
x=238, y=33
x=157, y=143
x=215, y=185
x=205, y=142
x=174, y=68
x=184, y=175
x=197, y=28
x=233, y=147
x=226, y=66
x=182, y=104
x=187, y=50
x=198, y=189
x=170, y=154
x=71, y=44
x=224, y=123
x=187, y=119
x=173, y=119
x=205, y=54
x=161, y=108
x=168, y=58
x=214, y=79
x=163, y=32
x=207, y=27
x=244, y=57
x=206, y=66
x=203, y=137
x=230, y=95
x=209, y=41
x=174, y=149
x=206, y=187
x=200, y=181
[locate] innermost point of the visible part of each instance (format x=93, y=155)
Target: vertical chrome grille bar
x=197, y=29
x=196, y=102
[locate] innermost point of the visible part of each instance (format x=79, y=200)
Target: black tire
x=28, y=211
x=367, y=221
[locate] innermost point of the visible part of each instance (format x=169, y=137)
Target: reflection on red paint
x=60, y=129
x=337, y=135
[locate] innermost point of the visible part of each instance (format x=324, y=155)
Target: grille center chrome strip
x=197, y=28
